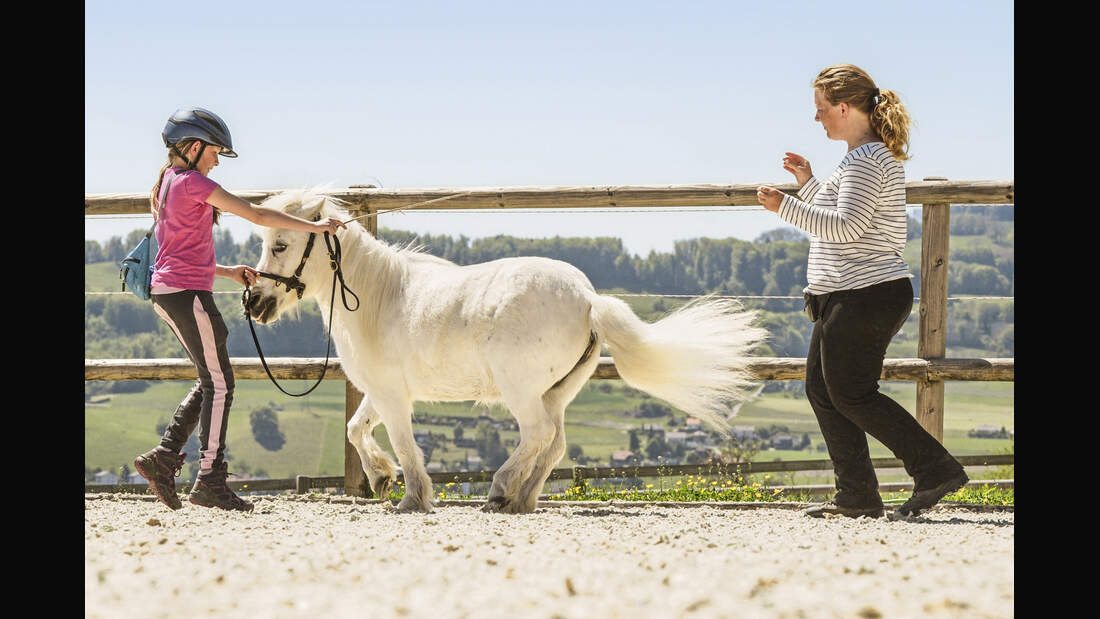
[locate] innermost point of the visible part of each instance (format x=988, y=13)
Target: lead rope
x=407, y=206
x=337, y=274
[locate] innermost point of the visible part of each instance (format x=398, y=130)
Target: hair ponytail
x=889, y=119
x=154, y=195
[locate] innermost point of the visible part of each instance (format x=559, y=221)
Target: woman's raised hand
x=797, y=165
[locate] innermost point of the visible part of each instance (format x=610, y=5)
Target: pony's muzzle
x=260, y=308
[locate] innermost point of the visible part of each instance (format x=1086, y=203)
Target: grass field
x=124, y=426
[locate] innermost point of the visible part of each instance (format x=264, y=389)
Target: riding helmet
x=196, y=122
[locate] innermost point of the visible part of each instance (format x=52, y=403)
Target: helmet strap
x=190, y=164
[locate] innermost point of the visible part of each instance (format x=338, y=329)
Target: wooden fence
x=929, y=370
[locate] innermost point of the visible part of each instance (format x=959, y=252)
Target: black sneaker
x=831, y=508
x=161, y=468
x=210, y=490
x=923, y=499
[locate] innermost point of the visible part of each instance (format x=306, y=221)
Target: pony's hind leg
x=377, y=464
x=554, y=402
x=528, y=495
x=536, y=435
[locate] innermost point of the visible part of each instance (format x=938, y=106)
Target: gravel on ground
x=319, y=557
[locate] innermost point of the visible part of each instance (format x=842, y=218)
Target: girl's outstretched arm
x=269, y=217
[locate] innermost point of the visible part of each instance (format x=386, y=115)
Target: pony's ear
x=311, y=208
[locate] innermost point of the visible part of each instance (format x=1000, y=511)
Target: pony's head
x=283, y=254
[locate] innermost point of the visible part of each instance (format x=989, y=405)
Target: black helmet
x=195, y=122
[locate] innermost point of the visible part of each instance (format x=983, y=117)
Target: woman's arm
x=860, y=185
x=269, y=217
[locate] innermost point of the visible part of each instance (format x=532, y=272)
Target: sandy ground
x=328, y=557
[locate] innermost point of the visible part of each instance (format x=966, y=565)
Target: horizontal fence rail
x=304, y=483
x=761, y=368
x=596, y=196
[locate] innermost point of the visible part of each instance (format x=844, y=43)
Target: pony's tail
x=695, y=358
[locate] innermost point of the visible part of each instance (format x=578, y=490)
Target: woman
x=186, y=205
x=859, y=294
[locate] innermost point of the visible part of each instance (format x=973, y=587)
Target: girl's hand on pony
x=330, y=225
x=242, y=274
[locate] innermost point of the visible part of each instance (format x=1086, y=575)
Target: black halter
x=292, y=282
x=297, y=285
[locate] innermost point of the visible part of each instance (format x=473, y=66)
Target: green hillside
x=118, y=426
x=125, y=425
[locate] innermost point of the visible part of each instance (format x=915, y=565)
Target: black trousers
x=843, y=366
x=201, y=330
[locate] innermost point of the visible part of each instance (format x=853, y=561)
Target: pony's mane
x=292, y=200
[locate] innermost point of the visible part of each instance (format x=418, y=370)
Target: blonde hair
x=154, y=195
x=846, y=83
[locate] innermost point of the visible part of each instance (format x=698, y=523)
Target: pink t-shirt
x=185, y=232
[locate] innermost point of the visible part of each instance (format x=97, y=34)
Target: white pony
x=526, y=332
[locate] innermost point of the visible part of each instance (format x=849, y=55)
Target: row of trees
x=773, y=264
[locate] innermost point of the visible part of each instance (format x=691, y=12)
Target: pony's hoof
x=495, y=504
x=409, y=505
x=382, y=487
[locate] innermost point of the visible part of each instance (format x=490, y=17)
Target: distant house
x=623, y=457
x=135, y=478
x=744, y=433
x=990, y=431
x=435, y=467
x=676, y=437
x=105, y=477
x=783, y=441
x=473, y=462
x=693, y=424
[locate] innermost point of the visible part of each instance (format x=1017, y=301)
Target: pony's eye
x=278, y=248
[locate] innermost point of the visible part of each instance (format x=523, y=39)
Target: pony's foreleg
x=377, y=464
x=397, y=416
x=536, y=433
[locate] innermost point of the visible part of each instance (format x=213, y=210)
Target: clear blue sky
x=466, y=94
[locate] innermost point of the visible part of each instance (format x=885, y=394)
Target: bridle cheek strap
x=335, y=254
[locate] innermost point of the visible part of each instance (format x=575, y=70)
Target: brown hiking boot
x=211, y=490
x=161, y=467
x=831, y=508
x=924, y=499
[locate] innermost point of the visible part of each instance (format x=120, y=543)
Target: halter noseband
x=292, y=282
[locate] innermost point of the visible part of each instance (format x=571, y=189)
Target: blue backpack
x=137, y=267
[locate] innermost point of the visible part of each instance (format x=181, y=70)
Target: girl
x=186, y=204
x=859, y=294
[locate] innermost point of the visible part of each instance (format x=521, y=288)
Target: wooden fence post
x=932, y=342
x=355, y=481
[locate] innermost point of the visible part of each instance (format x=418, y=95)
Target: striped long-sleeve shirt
x=856, y=221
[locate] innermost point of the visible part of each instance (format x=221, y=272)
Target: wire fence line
x=640, y=294
x=538, y=211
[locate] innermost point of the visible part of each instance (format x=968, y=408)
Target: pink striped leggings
x=198, y=325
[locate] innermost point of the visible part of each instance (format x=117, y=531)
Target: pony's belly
x=458, y=390
x=453, y=374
